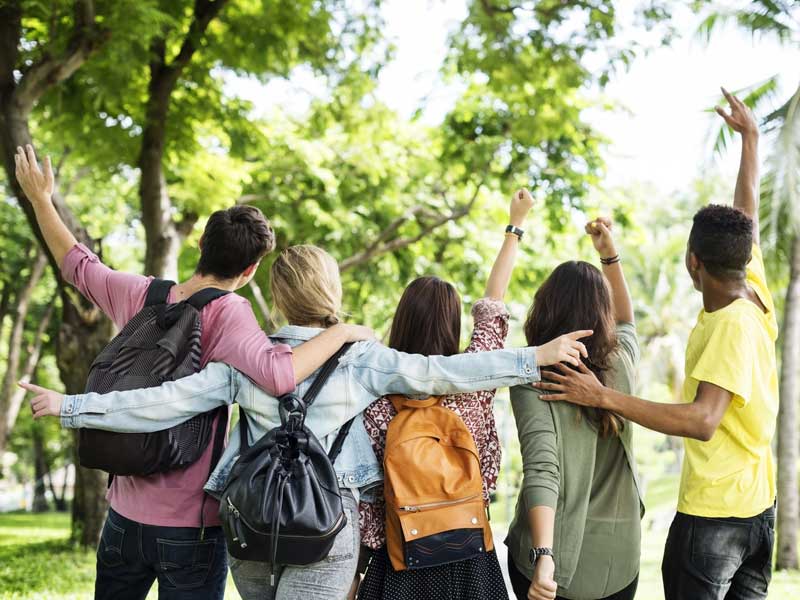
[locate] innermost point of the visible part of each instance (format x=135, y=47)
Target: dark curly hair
x=722, y=238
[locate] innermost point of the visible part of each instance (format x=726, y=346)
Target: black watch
x=535, y=553
x=515, y=230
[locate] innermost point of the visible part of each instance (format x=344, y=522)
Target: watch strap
x=515, y=230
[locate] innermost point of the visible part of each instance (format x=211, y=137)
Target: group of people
x=576, y=533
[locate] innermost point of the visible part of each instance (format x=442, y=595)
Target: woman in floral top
x=428, y=321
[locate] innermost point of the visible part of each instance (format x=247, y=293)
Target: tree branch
x=383, y=244
x=51, y=70
x=262, y=304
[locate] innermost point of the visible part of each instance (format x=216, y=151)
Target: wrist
x=610, y=252
x=40, y=198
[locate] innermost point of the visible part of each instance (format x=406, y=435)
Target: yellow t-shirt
x=733, y=474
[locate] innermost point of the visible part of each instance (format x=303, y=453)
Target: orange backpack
x=435, y=513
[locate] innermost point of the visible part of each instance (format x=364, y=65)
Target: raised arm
x=742, y=120
x=600, y=231
x=38, y=183
x=497, y=285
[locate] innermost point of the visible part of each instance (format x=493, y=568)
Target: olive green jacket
x=558, y=454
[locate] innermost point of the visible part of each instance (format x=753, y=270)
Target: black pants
x=520, y=585
x=132, y=556
x=719, y=559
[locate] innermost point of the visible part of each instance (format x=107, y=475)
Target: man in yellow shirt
x=720, y=543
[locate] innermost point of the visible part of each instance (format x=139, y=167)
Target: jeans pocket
x=109, y=551
x=186, y=563
x=718, y=547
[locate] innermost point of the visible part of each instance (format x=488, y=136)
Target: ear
x=200, y=243
x=693, y=262
x=250, y=270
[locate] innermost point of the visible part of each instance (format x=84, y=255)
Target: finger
x=582, y=333
x=603, y=228
x=569, y=359
x=553, y=376
x=584, y=369
x=728, y=96
x=48, y=169
x=23, y=160
x=582, y=349
x=32, y=387
x=31, y=155
x=40, y=413
x=553, y=397
x=721, y=112
x=550, y=387
x=564, y=369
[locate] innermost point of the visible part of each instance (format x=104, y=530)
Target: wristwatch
x=515, y=230
x=535, y=553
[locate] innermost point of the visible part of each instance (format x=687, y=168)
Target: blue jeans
x=131, y=556
x=719, y=559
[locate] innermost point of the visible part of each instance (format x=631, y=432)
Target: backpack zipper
x=239, y=518
x=420, y=507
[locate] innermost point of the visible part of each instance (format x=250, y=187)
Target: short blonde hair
x=306, y=287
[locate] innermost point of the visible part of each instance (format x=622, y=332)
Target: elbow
x=704, y=428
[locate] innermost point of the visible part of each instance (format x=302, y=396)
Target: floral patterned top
x=475, y=409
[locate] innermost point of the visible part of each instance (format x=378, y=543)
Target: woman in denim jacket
x=307, y=290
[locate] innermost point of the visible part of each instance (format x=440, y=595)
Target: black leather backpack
x=160, y=343
x=281, y=502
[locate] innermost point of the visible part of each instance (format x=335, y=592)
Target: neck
x=315, y=324
x=719, y=294
x=198, y=282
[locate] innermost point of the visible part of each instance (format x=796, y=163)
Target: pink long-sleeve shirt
x=230, y=334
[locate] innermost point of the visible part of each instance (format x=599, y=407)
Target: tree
x=781, y=232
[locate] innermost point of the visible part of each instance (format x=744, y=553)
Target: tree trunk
x=31, y=364
x=15, y=348
x=39, y=471
x=84, y=329
x=788, y=505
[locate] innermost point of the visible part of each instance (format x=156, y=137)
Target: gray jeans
x=329, y=579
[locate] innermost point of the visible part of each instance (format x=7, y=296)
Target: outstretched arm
x=698, y=419
x=603, y=240
x=38, y=183
x=742, y=120
x=497, y=285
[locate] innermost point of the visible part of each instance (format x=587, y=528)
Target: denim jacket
x=367, y=371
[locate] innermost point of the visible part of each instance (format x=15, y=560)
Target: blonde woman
x=307, y=290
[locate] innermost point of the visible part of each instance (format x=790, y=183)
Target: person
x=720, y=543
x=306, y=288
x=163, y=511
x=428, y=321
x=576, y=532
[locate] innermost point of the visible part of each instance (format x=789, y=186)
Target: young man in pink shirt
x=153, y=530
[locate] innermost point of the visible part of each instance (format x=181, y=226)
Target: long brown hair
x=575, y=296
x=428, y=319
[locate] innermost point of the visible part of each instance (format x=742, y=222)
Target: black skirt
x=479, y=577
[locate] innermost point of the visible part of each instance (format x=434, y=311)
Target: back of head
x=428, y=319
x=233, y=240
x=722, y=239
x=576, y=296
x=306, y=286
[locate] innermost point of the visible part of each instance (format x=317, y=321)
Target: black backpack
x=281, y=503
x=160, y=343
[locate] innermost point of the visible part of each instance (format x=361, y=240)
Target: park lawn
x=37, y=563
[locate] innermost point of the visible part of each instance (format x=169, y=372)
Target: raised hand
x=741, y=118
x=521, y=204
x=45, y=403
x=600, y=231
x=565, y=348
x=37, y=183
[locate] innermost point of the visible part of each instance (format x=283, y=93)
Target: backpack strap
x=205, y=296
x=327, y=370
x=158, y=292
x=336, y=447
x=244, y=443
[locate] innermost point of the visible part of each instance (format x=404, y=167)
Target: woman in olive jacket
x=577, y=530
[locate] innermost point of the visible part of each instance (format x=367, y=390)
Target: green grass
x=37, y=563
